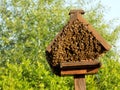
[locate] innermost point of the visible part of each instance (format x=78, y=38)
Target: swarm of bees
x=75, y=43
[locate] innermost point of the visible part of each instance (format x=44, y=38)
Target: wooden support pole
x=79, y=82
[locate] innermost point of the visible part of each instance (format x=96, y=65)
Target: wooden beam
x=79, y=82
x=78, y=72
x=79, y=65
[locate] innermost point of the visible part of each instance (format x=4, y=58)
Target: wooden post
x=79, y=82
x=67, y=55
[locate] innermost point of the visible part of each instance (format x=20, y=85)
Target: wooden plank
x=78, y=72
x=76, y=11
x=82, y=64
x=79, y=82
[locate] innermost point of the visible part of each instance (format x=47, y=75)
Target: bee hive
x=75, y=43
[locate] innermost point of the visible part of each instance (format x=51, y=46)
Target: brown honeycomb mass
x=74, y=43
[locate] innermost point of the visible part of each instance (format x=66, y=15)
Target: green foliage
x=27, y=76
x=107, y=77
x=27, y=27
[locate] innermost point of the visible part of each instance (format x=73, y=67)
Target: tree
x=27, y=27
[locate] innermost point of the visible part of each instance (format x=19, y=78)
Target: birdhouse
x=76, y=48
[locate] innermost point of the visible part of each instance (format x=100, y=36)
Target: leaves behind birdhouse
x=74, y=43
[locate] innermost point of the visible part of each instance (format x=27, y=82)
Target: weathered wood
x=79, y=71
x=77, y=41
x=78, y=65
x=79, y=82
x=76, y=11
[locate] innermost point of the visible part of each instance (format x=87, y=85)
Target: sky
x=114, y=12
x=114, y=9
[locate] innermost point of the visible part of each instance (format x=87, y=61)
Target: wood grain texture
x=79, y=71
x=77, y=41
x=82, y=64
x=79, y=82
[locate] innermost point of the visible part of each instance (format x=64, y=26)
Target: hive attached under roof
x=77, y=46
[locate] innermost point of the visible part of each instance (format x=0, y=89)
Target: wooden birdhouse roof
x=78, y=41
